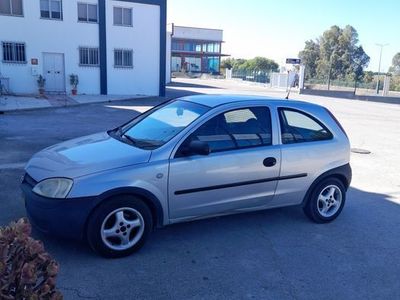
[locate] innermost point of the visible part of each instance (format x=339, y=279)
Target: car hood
x=84, y=156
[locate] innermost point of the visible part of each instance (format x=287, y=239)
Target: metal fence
x=252, y=75
x=325, y=84
x=359, y=87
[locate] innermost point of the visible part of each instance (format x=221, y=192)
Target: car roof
x=222, y=99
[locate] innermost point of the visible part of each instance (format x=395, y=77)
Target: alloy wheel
x=329, y=201
x=122, y=228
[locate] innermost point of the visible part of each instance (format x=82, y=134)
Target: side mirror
x=197, y=147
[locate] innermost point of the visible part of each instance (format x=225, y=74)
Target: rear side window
x=236, y=129
x=337, y=122
x=299, y=127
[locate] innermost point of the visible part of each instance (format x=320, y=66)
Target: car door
x=240, y=172
x=308, y=148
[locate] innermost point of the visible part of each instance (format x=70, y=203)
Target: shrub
x=26, y=270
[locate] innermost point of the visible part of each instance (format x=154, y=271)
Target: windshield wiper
x=145, y=144
x=129, y=138
x=118, y=130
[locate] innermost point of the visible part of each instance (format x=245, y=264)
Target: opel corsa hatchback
x=186, y=159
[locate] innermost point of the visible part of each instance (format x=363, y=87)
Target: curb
x=3, y=112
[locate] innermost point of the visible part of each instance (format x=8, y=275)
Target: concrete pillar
x=386, y=86
x=302, y=74
x=228, y=73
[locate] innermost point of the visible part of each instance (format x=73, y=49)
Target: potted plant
x=41, y=81
x=74, y=81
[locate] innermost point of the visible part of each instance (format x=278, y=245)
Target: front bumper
x=60, y=217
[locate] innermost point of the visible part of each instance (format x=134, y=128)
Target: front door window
x=236, y=129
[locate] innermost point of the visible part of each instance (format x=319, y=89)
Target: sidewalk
x=15, y=103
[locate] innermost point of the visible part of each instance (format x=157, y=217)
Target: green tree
x=357, y=63
x=336, y=54
x=395, y=68
x=329, y=53
x=227, y=63
x=310, y=57
x=262, y=64
x=255, y=64
x=368, y=77
x=239, y=63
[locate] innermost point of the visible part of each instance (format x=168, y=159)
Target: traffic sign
x=293, y=61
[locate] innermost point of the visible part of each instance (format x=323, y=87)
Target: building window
x=51, y=9
x=189, y=46
x=122, y=16
x=88, y=56
x=212, y=64
x=176, y=64
x=11, y=8
x=192, y=64
x=14, y=52
x=123, y=58
x=87, y=13
x=177, y=46
x=186, y=46
x=212, y=47
x=198, y=47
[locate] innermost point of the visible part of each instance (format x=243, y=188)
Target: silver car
x=189, y=158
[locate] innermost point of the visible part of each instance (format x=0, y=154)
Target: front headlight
x=54, y=187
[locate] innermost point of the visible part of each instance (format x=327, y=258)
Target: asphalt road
x=275, y=254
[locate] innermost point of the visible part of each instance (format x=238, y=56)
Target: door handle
x=269, y=162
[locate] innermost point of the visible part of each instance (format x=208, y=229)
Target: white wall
x=198, y=33
x=144, y=39
x=66, y=36
x=41, y=35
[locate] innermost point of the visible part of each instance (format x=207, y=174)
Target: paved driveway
x=276, y=254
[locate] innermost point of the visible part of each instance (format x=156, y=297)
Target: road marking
x=12, y=166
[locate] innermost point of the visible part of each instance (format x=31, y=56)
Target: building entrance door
x=54, y=73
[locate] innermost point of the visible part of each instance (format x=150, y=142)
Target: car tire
x=119, y=226
x=326, y=201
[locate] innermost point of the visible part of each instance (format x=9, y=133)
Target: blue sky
x=278, y=29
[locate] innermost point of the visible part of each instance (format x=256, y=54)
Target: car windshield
x=159, y=126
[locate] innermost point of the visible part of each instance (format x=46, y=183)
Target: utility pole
x=379, y=68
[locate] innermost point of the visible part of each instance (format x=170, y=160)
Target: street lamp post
x=379, y=68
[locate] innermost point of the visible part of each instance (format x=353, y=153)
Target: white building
x=116, y=47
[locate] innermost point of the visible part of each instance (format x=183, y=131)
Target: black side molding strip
x=224, y=186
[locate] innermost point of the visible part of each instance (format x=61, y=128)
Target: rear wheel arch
x=342, y=173
x=342, y=178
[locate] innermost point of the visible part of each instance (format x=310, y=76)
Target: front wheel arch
x=147, y=197
x=116, y=204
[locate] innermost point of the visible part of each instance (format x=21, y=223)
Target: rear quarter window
x=301, y=127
